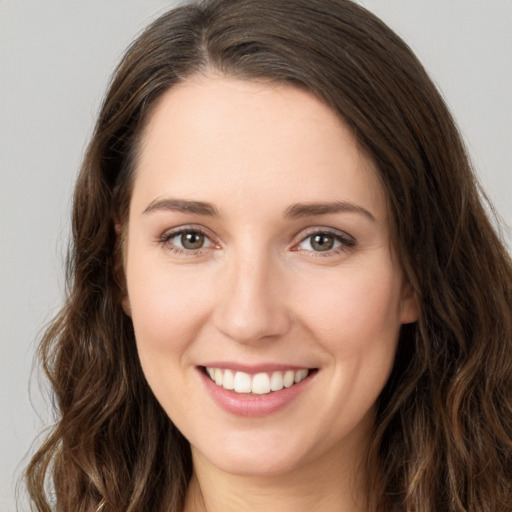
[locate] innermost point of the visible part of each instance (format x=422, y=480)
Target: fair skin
x=257, y=243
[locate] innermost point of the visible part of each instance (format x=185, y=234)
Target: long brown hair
x=443, y=436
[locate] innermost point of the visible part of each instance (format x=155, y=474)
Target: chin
x=262, y=459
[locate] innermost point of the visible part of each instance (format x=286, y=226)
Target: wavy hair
x=443, y=435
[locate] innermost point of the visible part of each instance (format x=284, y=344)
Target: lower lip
x=245, y=404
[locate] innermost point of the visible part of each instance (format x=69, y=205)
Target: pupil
x=192, y=240
x=322, y=242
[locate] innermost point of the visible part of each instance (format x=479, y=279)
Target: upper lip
x=254, y=368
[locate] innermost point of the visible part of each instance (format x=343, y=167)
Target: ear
x=409, y=308
x=119, y=266
x=125, y=302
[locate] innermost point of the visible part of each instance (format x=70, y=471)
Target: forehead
x=228, y=138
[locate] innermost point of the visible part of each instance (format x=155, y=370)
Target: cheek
x=353, y=309
x=167, y=306
x=168, y=310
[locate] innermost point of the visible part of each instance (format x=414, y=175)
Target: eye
x=325, y=242
x=319, y=242
x=190, y=240
x=187, y=240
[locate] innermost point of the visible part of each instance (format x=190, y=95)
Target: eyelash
x=346, y=242
x=166, y=238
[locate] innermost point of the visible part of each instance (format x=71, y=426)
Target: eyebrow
x=294, y=211
x=313, y=209
x=182, y=205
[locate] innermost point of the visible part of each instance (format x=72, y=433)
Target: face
x=264, y=294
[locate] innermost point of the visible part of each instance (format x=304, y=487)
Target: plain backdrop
x=55, y=60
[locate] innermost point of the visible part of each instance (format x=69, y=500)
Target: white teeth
x=300, y=375
x=229, y=380
x=242, y=382
x=259, y=383
x=276, y=381
x=289, y=379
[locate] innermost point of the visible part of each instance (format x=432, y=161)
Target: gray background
x=55, y=60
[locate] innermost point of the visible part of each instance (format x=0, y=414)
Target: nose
x=251, y=305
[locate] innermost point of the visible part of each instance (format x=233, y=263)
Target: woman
x=284, y=290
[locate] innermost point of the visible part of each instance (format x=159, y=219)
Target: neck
x=331, y=485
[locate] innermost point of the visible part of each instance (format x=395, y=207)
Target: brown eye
x=326, y=242
x=187, y=241
x=322, y=242
x=192, y=240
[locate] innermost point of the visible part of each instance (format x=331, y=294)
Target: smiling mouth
x=259, y=383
